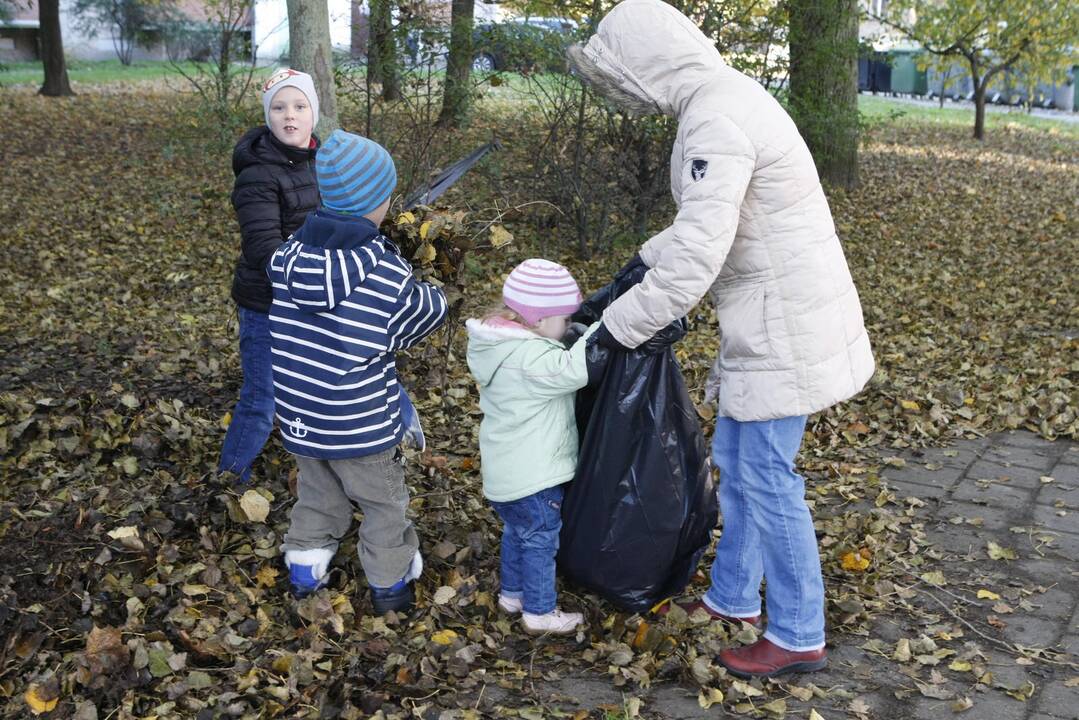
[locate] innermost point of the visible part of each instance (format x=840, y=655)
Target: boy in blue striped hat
x=344, y=301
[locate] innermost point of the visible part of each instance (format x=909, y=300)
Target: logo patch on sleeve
x=699, y=168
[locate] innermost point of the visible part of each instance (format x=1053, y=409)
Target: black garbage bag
x=640, y=510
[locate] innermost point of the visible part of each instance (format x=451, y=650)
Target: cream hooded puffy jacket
x=753, y=225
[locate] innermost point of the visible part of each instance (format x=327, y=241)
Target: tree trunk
x=52, y=50
x=310, y=52
x=458, y=90
x=382, y=50
x=824, y=84
x=979, y=108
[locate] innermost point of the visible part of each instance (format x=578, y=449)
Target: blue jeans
x=252, y=418
x=767, y=532
x=529, y=546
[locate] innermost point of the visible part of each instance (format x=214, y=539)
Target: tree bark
x=52, y=50
x=979, y=109
x=458, y=91
x=824, y=84
x=310, y=52
x=382, y=50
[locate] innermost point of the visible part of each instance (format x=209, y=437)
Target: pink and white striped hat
x=540, y=288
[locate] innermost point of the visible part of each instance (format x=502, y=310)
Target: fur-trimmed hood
x=492, y=341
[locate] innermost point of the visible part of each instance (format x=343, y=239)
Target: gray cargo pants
x=323, y=512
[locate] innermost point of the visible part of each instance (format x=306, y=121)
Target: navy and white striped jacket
x=344, y=300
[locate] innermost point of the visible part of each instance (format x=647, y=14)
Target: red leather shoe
x=692, y=607
x=766, y=659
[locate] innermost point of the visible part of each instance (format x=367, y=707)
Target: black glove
x=634, y=263
x=605, y=339
x=574, y=333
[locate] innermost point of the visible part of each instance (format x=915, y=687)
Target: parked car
x=522, y=45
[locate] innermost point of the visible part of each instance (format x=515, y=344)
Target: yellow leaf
x=406, y=218
x=910, y=405
x=39, y=700
x=266, y=576
x=424, y=229
x=708, y=697
x=1023, y=692
x=935, y=577
x=425, y=253
x=500, y=236
x=960, y=666
x=854, y=562
x=444, y=637
x=984, y=594
x=996, y=552
x=814, y=715
x=226, y=420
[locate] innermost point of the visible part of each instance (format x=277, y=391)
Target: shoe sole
x=798, y=667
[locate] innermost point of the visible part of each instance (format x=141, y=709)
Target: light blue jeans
x=767, y=532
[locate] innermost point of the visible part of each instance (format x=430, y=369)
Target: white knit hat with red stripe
x=540, y=288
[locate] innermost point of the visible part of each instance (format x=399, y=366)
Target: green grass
x=99, y=72
x=878, y=109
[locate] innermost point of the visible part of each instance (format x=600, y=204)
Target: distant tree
x=209, y=54
x=991, y=35
x=129, y=21
x=382, y=60
x=310, y=52
x=458, y=89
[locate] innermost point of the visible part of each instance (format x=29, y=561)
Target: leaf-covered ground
x=134, y=584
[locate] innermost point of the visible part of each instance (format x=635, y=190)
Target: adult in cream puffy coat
x=753, y=227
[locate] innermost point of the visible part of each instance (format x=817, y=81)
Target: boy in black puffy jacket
x=275, y=190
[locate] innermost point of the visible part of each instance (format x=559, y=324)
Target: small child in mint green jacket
x=528, y=437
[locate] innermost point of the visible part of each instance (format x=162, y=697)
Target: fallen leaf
x=500, y=236
x=41, y=699
x=444, y=594
x=984, y=594
x=996, y=552
x=266, y=576
x=708, y=697
x=255, y=506
x=444, y=637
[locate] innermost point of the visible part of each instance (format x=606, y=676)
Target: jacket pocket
x=740, y=308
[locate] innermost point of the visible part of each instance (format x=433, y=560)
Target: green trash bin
x=906, y=77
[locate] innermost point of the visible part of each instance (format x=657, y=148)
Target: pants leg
x=252, y=417
x=388, y=541
x=512, y=584
x=776, y=499
x=739, y=565
x=322, y=513
x=535, y=522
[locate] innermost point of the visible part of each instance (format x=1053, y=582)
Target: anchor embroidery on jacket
x=297, y=429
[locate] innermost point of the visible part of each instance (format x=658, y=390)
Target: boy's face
x=291, y=117
x=553, y=327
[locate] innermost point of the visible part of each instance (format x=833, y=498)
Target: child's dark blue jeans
x=529, y=546
x=252, y=418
